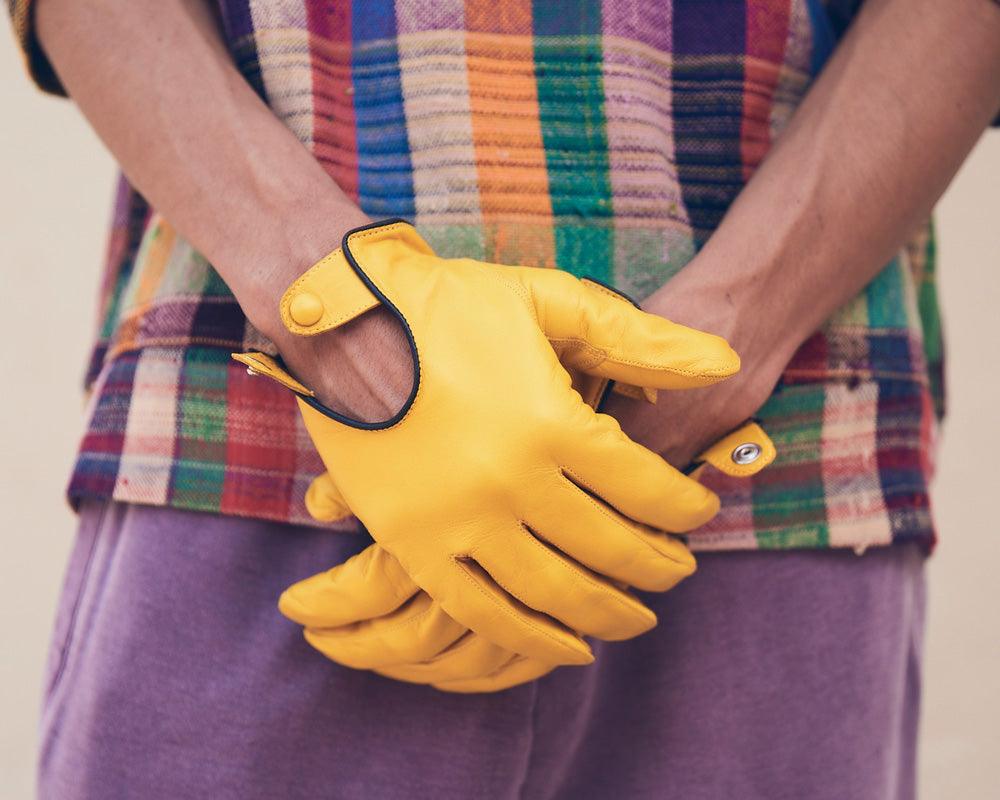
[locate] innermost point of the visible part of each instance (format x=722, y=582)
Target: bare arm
x=872, y=147
x=194, y=138
x=867, y=154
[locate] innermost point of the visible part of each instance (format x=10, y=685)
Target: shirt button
x=306, y=309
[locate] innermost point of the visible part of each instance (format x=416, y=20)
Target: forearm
x=214, y=160
x=194, y=138
x=864, y=159
x=862, y=162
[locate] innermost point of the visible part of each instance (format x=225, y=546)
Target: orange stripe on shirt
x=507, y=134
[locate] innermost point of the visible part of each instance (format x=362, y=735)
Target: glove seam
x=524, y=292
x=488, y=676
x=460, y=645
x=404, y=658
x=613, y=516
x=385, y=628
x=531, y=625
x=368, y=231
x=465, y=642
x=286, y=301
x=583, y=343
x=575, y=570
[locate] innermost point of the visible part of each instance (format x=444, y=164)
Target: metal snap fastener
x=746, y=453
x=306, y=309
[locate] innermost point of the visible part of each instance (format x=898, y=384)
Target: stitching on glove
x=611, y=514
x=286, y=299
x=520, y=289
x=464, y=642
x=572, y=340
x=361, y=233
x=498, y=672
x=405, y=655
x=528, y=623
x=379, y=630
x=602, y=288
x=470, y=640
x=593, y=356
x=551, y=550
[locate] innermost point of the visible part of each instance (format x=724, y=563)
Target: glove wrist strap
x=337, y=288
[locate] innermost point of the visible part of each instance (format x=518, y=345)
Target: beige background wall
x=55, y=190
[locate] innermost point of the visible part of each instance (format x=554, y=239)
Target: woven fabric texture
x=604, y=138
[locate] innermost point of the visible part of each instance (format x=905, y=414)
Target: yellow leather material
x=262, y=364
x=330, y=278
x=744, y=452
x=362, y=613
x=306, y=309
x=513, y=671
x=411, y=634
x=635, y=392
x=502, y=495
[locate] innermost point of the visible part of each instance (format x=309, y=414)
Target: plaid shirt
x=605, y=138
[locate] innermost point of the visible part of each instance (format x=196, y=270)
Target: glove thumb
x=324, y=501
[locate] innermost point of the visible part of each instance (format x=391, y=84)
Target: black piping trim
x=329, y=412
x=604, y=396
x=610, y=384
x=610, y=288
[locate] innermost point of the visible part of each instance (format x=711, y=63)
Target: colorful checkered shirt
x=604, y=138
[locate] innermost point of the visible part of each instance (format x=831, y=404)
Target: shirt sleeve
x=22, y=15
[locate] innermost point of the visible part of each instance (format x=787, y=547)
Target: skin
x=870, y=150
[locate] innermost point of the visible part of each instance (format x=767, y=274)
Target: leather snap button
x=306, y=309
x=746, y=453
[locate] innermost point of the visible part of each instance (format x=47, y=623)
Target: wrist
x=288, y=244
x=363, y=369
x=738, y=304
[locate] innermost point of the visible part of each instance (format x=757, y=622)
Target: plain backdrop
x=55, y=193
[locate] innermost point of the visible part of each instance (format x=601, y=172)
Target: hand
x=710, y=296
x=682, y=424
x=487, y=460
x=367, y=613
x=362, y=369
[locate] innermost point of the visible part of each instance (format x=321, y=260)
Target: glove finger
x=416, y=632
x=366, y=586
x=588, y=530
x=472, y=597
x=470, y=657
x=517, y=671
x=592, y=330
x=549, y=582
x=324, y=501
x=635, y=481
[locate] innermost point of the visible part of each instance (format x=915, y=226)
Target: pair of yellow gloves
x=509, y=517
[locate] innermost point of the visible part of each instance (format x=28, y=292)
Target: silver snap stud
x=746, y=453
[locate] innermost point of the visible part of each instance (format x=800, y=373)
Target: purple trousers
x=172, y=675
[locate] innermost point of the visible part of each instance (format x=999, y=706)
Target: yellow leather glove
x=501, y=493
x=368, y=614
